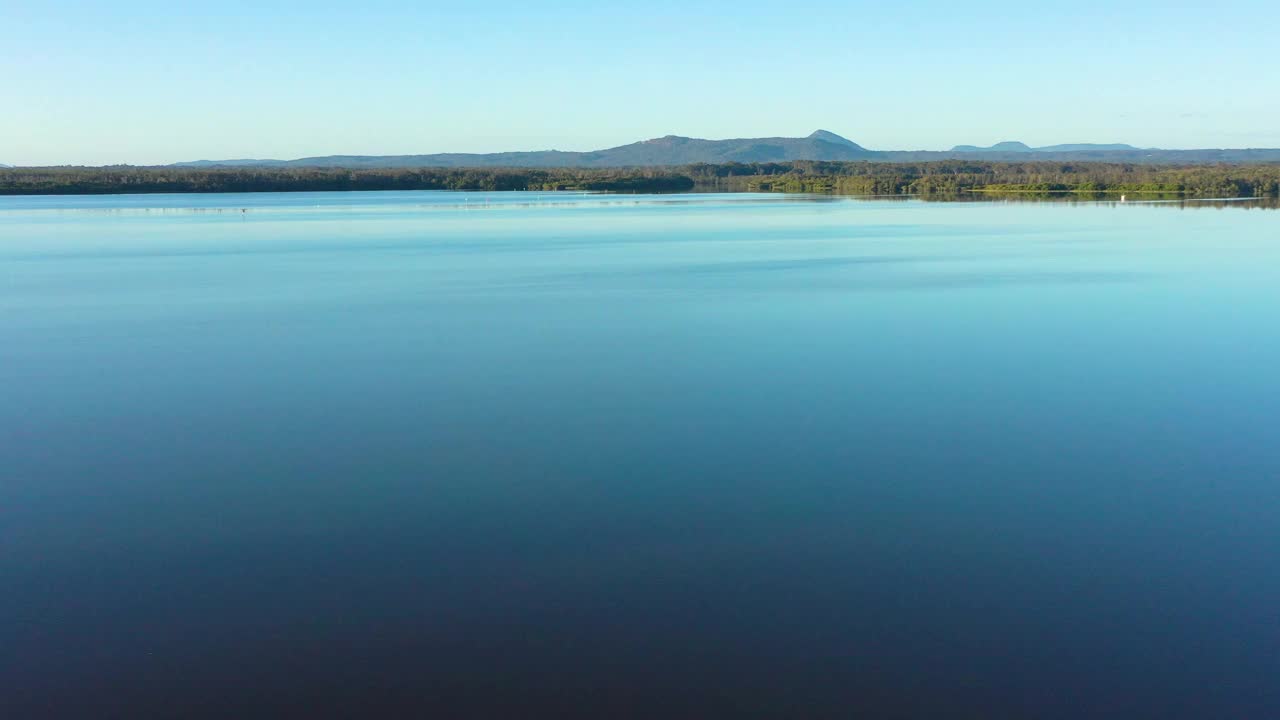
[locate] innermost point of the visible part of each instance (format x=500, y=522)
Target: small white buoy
x=1121, y=198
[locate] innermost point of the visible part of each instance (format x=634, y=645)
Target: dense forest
x=860, y=178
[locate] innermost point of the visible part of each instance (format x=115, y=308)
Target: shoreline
x=838, y=178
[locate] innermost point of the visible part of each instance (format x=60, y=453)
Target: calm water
x=519, y=455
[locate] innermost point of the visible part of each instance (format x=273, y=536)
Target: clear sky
x=144, y=81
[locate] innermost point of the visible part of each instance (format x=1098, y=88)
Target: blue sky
x=141, y=81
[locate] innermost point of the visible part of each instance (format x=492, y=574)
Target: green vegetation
x=853, y=178
x=126, y=179
x=957, y=176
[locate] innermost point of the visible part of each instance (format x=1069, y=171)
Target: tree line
x=128, y=179
x=957, y=176
x=855, y=178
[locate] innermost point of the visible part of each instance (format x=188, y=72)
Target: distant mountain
x=1018, y=147
x=1007, y=146
x=2, y=165
x=239, y=163
x=1086, y=147
x=675, y=150
x=669, y=150
x=828, y=136
x=822, y=145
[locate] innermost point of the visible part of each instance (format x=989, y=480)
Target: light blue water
x=531, y=453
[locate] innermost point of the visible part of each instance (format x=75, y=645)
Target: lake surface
x=536, y=454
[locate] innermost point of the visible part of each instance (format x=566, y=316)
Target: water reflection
x=233, y=205
x=537, y=455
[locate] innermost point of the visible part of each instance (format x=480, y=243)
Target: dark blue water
x=522, y=455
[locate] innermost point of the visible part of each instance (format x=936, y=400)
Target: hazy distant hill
x=1014, y=146
x=675, y=150
x=247, y=162
x=1086, y=147
x=1007, y=146
x=669, y=150
x=2, y=165
x=822, y=145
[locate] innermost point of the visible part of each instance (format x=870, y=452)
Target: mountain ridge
x=1016, y=146
x=820, y=145
x=666, y=150
x=1006, y=146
